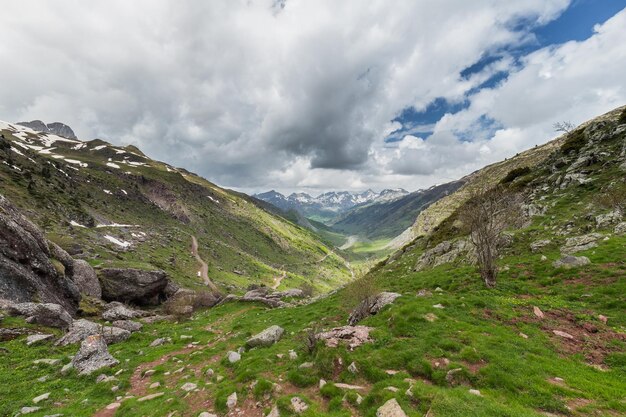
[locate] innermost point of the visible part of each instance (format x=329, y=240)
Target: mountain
x=388, y=215
x=327, y=206
x=425, y=336
x=115, y=208
x=56, y=128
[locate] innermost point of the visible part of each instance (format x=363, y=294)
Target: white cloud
x=254, y=95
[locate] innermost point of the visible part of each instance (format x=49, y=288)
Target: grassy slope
x=241, y=242
x=478, y=330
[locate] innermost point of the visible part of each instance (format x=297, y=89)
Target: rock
x=155, y=385
x=349, y=387
x=371, y=306
x=306, y=365
x=46, y=314
x=51, y=362
x=205, y=414
x=131, y=326
x=569, y=261
x=291, y=293
x=157, y=318
x=41, y=398
x=537, y=312
x=93, y=355
x=424, y=293
x=620, y=229
x=66, y=368
x=231, y=401
x=475, y=392
x=298, y=405
x=390, y=409
x=540, y=244
x=83, y=328
x=86, y=279
x=580, y=243
x=544, y=258
x=38, y=338
x=233, y=357
x=133, y=285
x=55, y=128
x=151, y=397
x=266, y=338
x=189, y=386
x=160, y=341
x=118, y=311
x=293, y=355
x=392, y=389
x=352, y=368
x=27, y=272
x=430, y=317
x=607, y=219
x=353, y=336
x=28, y=410
x=563, y=334
x=443, y=253
x=103, y=378
x=113, y=406
x=455, y=376
x=602, y=318
x=322, y=383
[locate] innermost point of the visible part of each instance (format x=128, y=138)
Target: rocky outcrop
x=390, y=409
x=118, y=311
x=580, y=243
x=45, y=314
x=570, y=261
x=26, y=269
x=353, y=336
x=81, y=329
x=133, y=285
x=445, y=252
x=86, y=279
x=371, y=306
x=56, y=128
x=93, y=356
x=266, y=338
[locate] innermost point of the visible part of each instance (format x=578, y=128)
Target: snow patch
x=17, y=151
x=107, y=191
x=97, y=148
x=76, y=224
x=213, y=199
x=112, y=165
x=117, y=225
x=117, y=242
x=77, y=162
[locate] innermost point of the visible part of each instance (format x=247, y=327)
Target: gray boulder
x=604, y=220
x=390, y=409
x=570, y=261
x=81, y=329
x=86, y=279
x=46, y=314
x=266, y=338
x=620, y=229
x=540, y=244
x=371, y=306
x=118, y=311
x=26, y=269
x=56, y=128
x=580, y=243
x=131, y=326
x=133, y=285
x=35, y=339
x=93, y=355
x=445, y=252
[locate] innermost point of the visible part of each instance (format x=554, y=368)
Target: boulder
x=93, y=355
x=131, y=326
x=298, y=405
x=267, y=337
x=445, y=252
x=133, y=285
x=81, y=329
x=390, y=409
x=540, y=244
x=580, y=243
x=233, y=357
x=604, y=220
x=46, y=314
x=26, y=269
x=570, y=261
x=118, y=311
x=620, y=229
x=353, y=336
x=371, y=306
x=86, y=279
x=38, y=338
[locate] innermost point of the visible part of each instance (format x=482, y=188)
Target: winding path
x=204, y=268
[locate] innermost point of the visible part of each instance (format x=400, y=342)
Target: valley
x=367, y=308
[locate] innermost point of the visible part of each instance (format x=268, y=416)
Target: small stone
x=306, y=365
x=38, y=338
x=602, y=318
x=158, y=342
x=206, y=414
x=28, y=410
x=392, y=389
x=438, y=306
x=151, y=397
x=219, y=378
x=113, y=406
x=390, y=409
x=102, y=378
x=544, y=258
x=50, y=362
x=231, y=401
x=293, y=355
x=537, y=311
x=155, y=385
x=475, y=392
x=189, y=386
x=298, y=405
x=430, y=317
x=352, y=368
x=563, y=334
x=42, y=397
x=525, y=336
x=115, y=388
x=233, y=357
x=359, y=399
x=210, y=372
x=149, y=372
x=185, y=337
x=266, y=338
x=280, y=355
x=322, y=383
x=274, y=412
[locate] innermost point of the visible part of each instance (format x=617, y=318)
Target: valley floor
x=446, y=347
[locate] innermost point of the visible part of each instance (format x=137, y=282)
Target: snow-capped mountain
x=328, y=204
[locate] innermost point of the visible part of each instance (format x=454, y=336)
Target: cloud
x=298, y=94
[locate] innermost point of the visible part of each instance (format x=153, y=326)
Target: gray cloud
x=262, y=94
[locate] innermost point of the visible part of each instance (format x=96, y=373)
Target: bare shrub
x=565, y=126
x=486, y=215
x=614, y=198
x=307, y=289
x=308, y=340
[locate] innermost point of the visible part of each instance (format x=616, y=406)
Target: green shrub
x=420, y=367
x=574, y=143
x=622, y=117
x=262, y=387
x=515, y=173
x=301, y=378
x=330, y=391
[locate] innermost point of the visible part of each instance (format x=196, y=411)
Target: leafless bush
x=614, y=198
x=564, y=127
x=486, y=215
x=309, y=340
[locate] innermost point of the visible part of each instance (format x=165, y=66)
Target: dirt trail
x=204, y=268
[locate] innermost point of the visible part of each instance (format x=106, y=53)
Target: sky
x=303, y=95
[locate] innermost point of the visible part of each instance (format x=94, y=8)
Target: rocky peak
x=56, y=128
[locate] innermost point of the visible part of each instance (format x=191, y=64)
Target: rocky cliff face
x=27, y=270
x=56, y=128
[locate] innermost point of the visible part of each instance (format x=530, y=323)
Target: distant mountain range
x=328, y=206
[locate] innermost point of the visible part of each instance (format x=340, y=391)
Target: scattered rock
x=231, y=401
x=189, y=386
x=371, y=306
x=118, y=311
x=160, y=341
x=455, y=377
x=38, y=338
x=430, y=317
x=298, y=405
x=523, y=335
x=155, y=385
x=267, y=337
x=322, y=383
x=156, y=319
x=82, y=328
x=131, y=326
x=51, y=362
x=41, y=398
x=67, y=368
x=233, y=357
x=86, y=279
x=151, y=396
x=293, y=355
x=274, y=412
x=580, y=243
x=604, y=220
x=133, y=285
x=475, y=392
x=306, y=365
x=570, y=261
x=563, y=334
x=439, y=306
x=537, y=312
x=602, y=318
x=540, y=244
x=206, y=414
x=45, y=314
x=424, y=293
x=352, y=368
x=93, y=355
x=113, y=406
x=390, y=409
x=353, y=336
x=349, y=387
x=28, y=410
x=445, y=252
x=620, y=229
x=103, y=378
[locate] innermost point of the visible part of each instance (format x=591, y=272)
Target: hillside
x=431, y=339
x=115, y=207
